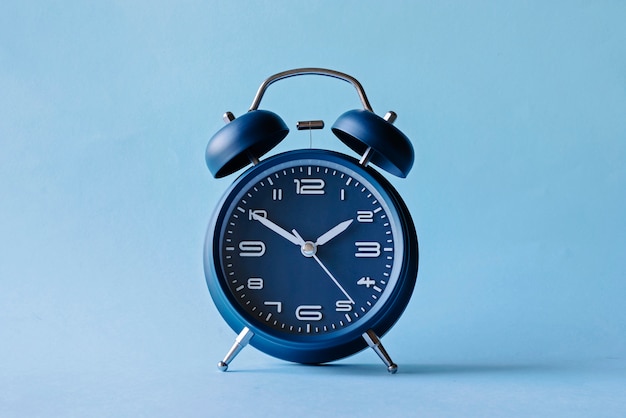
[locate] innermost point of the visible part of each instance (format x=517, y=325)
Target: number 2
x=365, y=216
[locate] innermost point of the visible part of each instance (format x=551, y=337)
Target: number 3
x=367, y=249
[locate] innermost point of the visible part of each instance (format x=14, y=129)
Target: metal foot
x=373, y=341
x=240, y=342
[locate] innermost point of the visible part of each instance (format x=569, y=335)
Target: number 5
x=343, y=306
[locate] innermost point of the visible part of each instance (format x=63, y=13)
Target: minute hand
x=280, y=231
x=324, y=238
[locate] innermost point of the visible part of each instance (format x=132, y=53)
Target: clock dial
x=308, y=248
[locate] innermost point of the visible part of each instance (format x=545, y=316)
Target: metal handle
x=312, y=71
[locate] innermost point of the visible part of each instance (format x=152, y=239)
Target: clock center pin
x=308, y=249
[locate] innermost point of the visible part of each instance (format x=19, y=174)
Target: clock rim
x=338, y=344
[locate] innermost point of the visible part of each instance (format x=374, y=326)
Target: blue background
x=517, y=111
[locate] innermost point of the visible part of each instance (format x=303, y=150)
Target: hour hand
x=272, y=226
x=333, y=232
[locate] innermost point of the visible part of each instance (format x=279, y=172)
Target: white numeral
x=367, y=249
x=343, y=306
x=277, y=194
x=251, y=248
x=255, y=283
x=279, y=305
x=366, y=281
x=258, y=212
x=365, y=216
x=309, y=313
x=309, y=186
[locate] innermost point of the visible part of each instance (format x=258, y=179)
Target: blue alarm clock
x=311, y=255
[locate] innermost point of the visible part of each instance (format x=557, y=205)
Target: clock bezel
x=337, y=344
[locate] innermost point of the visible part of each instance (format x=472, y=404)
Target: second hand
x=303, y=244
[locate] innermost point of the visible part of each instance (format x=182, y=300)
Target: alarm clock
x=311, y=255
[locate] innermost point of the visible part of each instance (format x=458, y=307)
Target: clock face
x=309, y=246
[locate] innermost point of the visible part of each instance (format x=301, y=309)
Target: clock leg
x=240, y=342
x=373, y=341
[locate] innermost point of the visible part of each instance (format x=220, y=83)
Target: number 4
x=366, y=281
